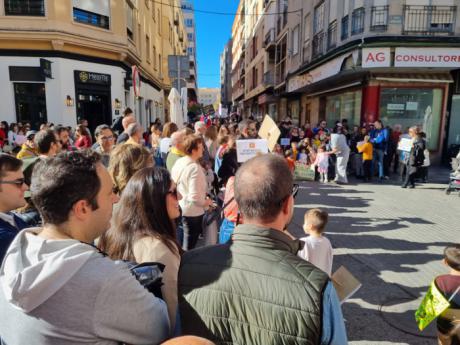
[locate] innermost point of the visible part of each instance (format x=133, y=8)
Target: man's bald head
x=261, y=186
x=127, y=120
x=188, y=340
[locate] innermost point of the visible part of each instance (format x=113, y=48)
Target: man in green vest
x=254, y=289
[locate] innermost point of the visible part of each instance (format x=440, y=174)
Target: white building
x=189, y=18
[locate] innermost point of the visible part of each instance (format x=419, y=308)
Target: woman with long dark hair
x=416, y=157
x=144, y=228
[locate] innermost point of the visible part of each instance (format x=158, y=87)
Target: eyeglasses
x=107, y=138
x=19, y=182
x=295, y=190
x=173, y=192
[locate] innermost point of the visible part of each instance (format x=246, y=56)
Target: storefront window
x=30, y=102
x=294, y=112
x=413, y=107
x=346, y=105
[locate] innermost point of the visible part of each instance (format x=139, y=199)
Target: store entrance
x=94, y=107
x=30, y=102
x=93, y=98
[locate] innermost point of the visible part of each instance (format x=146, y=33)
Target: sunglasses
x=295, y=191
x=19, y=182
x=173, y=192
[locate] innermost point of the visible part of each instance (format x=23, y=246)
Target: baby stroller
x=454, y=179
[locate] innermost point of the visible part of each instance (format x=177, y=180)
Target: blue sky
x=213, y=32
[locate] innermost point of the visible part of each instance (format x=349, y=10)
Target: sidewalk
x=392, y=240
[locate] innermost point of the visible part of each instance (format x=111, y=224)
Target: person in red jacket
x=83, y=138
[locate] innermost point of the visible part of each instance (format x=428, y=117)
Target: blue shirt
x=333, y=332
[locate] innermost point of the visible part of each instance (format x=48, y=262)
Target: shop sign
x=427, y=57
x=376, y=57
x=327, y=70
x=84, y=77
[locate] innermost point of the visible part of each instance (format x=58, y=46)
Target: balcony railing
x=24, y=8
x=269, y=78
x=429, y=20
x=319, y=44
x=332, y=35
x=306, y=52
x=270, y=38
x=280, y=74
x=357, y=21
x=344, y=28
x=379, y=18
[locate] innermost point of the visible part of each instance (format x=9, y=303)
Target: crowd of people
x=78, y=210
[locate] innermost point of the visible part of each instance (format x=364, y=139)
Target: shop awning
x=416, y=77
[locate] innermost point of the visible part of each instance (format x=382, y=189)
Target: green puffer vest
x=252, y=290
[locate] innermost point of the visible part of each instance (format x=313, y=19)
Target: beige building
x=66, y=60
x=209, y=96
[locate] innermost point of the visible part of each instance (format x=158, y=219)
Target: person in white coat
x=342, y=151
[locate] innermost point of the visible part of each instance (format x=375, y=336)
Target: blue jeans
x=226, y=231
x=378, y=160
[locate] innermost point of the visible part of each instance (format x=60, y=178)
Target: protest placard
x=405, y=145
x=285, y=141
x=249, y=148
x=304, y=172
x=345, y=284
x=269, y=131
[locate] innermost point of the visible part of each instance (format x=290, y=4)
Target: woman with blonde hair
x=125, y=160
x=165, y=143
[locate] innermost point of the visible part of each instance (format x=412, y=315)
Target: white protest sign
x=247, y=149
x=405, y=144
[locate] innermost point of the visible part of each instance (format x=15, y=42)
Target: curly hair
x=125, y=160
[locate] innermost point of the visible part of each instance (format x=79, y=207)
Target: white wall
x=60, y=86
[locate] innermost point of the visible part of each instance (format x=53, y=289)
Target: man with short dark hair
x=379, y=138
x=64, y=138
x=12, y=188
x=117, y=126
x=55, y=286
x=254, y=289
x=47, y=142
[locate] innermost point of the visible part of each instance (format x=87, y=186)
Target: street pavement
x=392, y=240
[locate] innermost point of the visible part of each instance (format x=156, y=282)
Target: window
x=413, y=107
x=346, y=105
x=130, y=20
x=332, y=35
x=295, y=40
x=307, y=28
x=154, y=58
x=344, y=29
x=25, y=8
x=96, y=13
x=147, y=47
x=318, y=20
x=190, y=37
x=189, y=22
x=159, y=22
x=30, y=100
x=190, y=50
x=357, y=21
x=379, y=18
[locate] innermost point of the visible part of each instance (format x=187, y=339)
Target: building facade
x=189, y=21
x=62, y=61
x=360, y=60
x=238, y=73
x=226, y=77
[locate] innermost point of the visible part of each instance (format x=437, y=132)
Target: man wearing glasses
x=254, y=289
x=105, y=139
x=12, y=188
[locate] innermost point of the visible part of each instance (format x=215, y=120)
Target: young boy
x=449, y=285
x=367, y=150
x=318, y=249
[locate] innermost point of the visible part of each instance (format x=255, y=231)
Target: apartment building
x=226, y=77
x=238, y=73
x=209, y=96
x=62, y=61
x=189, y=20
x=397, y=61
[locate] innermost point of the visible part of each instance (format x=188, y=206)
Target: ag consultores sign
x=411, y=57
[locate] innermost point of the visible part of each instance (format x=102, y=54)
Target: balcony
x=270, y=39
x=269, y=78
x=379, y=18
x=429, y=20
x=332, y=35
x=306, y=52
x=319, y=45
